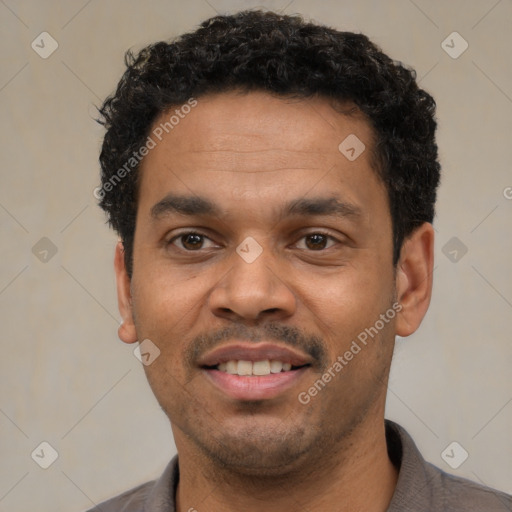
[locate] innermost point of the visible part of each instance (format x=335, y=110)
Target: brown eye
x=190, y=241
x=316, y=241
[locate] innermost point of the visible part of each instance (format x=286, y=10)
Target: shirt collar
x=162, y=497
x=414, y=485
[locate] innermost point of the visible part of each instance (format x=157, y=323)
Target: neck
x=357, y=476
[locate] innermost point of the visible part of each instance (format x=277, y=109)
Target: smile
x=254, y=371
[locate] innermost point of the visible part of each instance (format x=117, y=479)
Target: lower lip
x=254, y=387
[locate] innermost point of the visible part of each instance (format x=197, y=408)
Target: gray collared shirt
x=421, y=487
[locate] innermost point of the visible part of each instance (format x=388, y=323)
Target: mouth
x=254, y=372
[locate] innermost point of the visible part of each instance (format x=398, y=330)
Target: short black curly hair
x=283, y=55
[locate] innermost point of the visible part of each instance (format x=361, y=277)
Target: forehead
x=254, y=145
x=255, y=119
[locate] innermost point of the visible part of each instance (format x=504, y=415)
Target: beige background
x=65, y=377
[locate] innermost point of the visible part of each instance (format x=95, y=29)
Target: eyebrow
x=321, y=206
x=200, y=206
x=185, y=205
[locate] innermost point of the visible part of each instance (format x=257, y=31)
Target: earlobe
x=126, y=331
x=414, y=279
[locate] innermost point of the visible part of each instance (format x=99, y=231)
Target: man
x=273, y=185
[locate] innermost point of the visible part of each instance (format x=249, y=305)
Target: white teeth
x=276, y=366
x=244, y=368
x=231, y=367
x=258, y=368
x=261, y=368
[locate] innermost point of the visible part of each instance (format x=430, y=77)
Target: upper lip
x=254, y=352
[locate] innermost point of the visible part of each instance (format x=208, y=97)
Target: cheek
x=167, y=305
x=344, y=304
x=166, y=294
x=358, y=288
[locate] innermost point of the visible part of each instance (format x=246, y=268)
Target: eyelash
x=185, y=233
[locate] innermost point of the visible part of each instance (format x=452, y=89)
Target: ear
x=414, y=279
x=126, y=330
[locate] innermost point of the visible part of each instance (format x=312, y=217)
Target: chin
x=258, y=451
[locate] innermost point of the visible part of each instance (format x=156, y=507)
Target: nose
x=253, y=290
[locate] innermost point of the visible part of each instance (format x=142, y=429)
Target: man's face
x=306, y=280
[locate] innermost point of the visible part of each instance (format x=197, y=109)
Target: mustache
x=312, y=345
